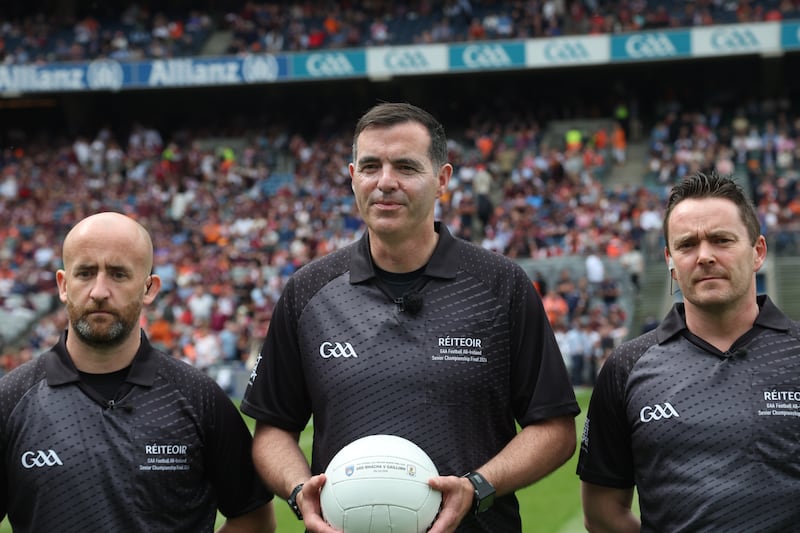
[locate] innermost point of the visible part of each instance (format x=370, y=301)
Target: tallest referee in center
x=412, y=332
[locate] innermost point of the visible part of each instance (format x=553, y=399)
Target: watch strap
x=292, y=501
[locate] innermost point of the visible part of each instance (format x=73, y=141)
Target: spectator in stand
x=555, y=306
x=595, y=270
x=577, y=344
x=609, y=291
x=633, y=262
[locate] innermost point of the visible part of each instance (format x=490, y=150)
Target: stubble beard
x=103, y=336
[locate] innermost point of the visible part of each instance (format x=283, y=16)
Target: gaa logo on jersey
x=40, y=458
x=336, y=350
x=348, y=470
x=657, y=412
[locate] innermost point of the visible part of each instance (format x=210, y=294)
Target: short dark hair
x=388, y=114
x=700, y=185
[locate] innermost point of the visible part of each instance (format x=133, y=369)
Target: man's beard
x=104, y=336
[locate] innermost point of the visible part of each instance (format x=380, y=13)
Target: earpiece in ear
x=670, y=265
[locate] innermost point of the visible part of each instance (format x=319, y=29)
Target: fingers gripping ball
x=378, y=484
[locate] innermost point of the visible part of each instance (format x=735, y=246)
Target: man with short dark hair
x=702, y=414
x=413, y=332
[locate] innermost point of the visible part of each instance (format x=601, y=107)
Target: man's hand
x=457, y=497
x=308, y=501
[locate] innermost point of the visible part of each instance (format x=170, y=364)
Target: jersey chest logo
x=336, y=350
x=657, y=412
x=40, y=458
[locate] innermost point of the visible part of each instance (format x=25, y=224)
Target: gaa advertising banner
x=385, y=62
x=567, y=51
x=790, y=36
x=651, y=46
x=737, y=39
x=329, y=65
x=491, y=55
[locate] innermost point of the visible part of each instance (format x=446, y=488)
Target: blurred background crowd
x=138, y=30
x=235, y=207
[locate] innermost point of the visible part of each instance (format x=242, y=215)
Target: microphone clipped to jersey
x=410, y=303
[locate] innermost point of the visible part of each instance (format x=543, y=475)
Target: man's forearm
x=279, y=459
x=533, y=453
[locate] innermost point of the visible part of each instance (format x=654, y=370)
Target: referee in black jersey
x=412, y=332
x=701, y=415
x=104, y=432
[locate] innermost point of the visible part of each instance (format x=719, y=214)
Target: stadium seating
x=130, y=32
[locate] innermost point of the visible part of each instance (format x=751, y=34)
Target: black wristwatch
x=484, y=492
x=292, y=501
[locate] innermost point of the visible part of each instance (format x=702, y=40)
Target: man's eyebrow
x=406, y=161
x=367, y=159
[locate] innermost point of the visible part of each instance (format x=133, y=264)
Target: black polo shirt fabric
x=164, y=456
x=453, y=376
x=710, y=439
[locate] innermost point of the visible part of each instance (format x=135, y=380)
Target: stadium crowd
x=138, y=30
x=233, y=221
x=227, y=238
x=760, y=139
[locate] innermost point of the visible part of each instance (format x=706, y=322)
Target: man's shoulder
x=474, y=257
x=26, y=374
x=179, y=372
x=333, y=263
x=16, y=383
x=629, y=352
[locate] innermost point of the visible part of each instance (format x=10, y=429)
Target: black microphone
x=413, y=303
x=410, y=303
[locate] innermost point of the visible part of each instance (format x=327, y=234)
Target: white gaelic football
x=379, y=484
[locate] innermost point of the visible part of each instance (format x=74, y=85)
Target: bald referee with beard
x=105, y=433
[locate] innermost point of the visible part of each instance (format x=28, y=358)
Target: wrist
x=292, y=501
x=484, y=492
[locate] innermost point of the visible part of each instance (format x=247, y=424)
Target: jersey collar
x=769, y=317
x=440, y=264
x=61, y=370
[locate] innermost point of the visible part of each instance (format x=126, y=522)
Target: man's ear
x=151, y=288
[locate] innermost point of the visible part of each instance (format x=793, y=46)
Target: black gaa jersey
x=452, y=375
x=710, y=439
x=165, y=457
